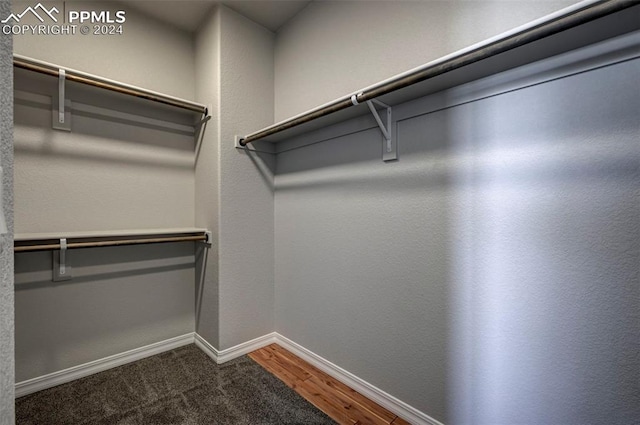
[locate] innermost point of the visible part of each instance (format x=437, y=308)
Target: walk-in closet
x=316, y=212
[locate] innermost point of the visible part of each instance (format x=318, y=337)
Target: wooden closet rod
x=509, y=42
x=104, y=83
x=105, y=243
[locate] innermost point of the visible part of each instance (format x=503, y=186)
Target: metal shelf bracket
x=61, y=79
x=61, y=271
x=389, y=142
x=61, y=107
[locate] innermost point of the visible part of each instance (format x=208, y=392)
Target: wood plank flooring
x=343, y=404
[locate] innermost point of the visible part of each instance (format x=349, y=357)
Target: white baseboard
x=204, y=345
x=63, y=376
x=223, y=356
x=389, y=402
x=384, y=399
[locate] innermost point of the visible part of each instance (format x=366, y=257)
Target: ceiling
x=188, y=14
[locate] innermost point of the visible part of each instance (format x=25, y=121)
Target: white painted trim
x=384, y=399
x=208, y=349
x=63, y=376
x=246, y=347
x=234, y=352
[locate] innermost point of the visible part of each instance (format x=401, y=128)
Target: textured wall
x=234, y=64
x=6, y=243
x=120, y=298
x=118, y=163
x=104, y=175
x=148, y=54
x=207, y=42
x=490, y=276
x=332, y=48
x=132, y=176
x=246, y=182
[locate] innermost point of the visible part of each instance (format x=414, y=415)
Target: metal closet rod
x=113, y=242
x=564, y=22
x=103, y=83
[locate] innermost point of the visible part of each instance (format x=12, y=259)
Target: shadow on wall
x=151, y=134
x=544, y=284
x=118, y=299
x=33, y=270
x=201, y=258
x=495, y=263
x=107, y=173
x=264, y=162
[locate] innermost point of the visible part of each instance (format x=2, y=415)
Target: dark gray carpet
x=179, y=387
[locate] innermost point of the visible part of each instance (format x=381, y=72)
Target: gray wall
x=246, y=182
x=149, y=54
x=104, y=175
x=118, y=163
x=207, y=60
x=6, y=243
x=152, y=290
x=490, y=276
x=119, y=299
x=234, y=68
x=332, y=48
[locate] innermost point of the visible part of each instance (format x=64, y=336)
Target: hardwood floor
x=343, y=404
